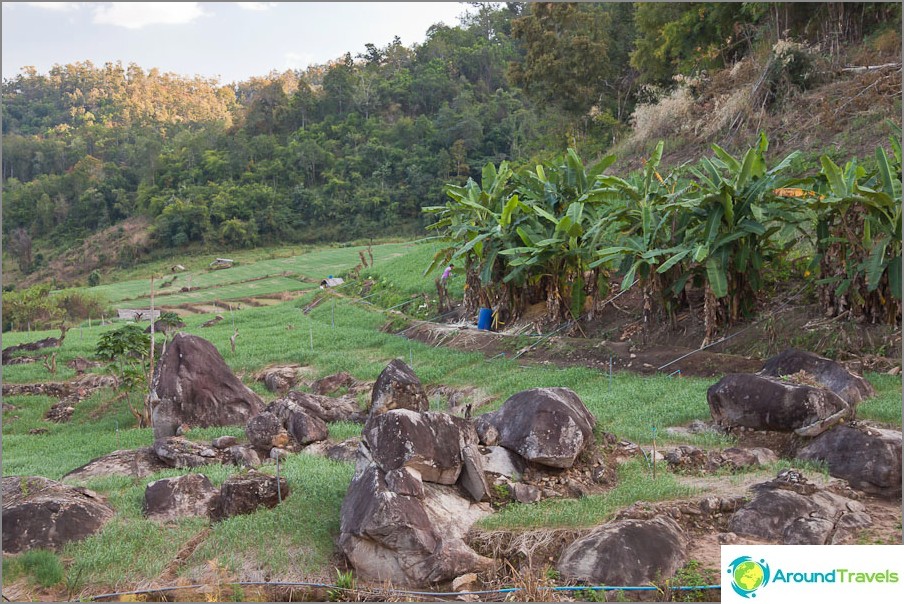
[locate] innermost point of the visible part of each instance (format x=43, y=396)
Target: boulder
x=324, y=408
x=626, y=552
x=137, y=463
x=279, y=379
x=301, y=425
x=332, y=383
x=430, y=443
x=829, y=374
x=39, y=513
x=548, y=426
x=306, y=429
x=263, y=431
x=178, y=497
x=868, y=458
x=177, y=452
x=245, y=457
x=767, y=403
x=525, y=493
x=473, y=479
x=224, y=442
x=740, y=457
x=790, y=511
x=193, y=385
x=245, y=493
x=397, y=387
x=406, y=539
x=501, y=461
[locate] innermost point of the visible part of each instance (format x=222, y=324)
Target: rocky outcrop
x=548, y=426
x=868, y=458
x=411, y=537
x=177, y=452
x=280, y=379
x=325, y=408
x=767, y=403
x=178, y=497
x=430, y=443
x=826, y=372
x=405, y=515
x=303, y=427
x=332, y=383
x=789, y=510
x=130, y=462
x=246, y=493
x=626, y=552
x=193, y=385
x=397, y=387
x=42, y=513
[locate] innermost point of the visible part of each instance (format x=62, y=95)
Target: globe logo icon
x=748, y=575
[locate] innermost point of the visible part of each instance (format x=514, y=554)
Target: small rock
x=727, y=538
x=463, y=582
x=224, y=442
x=277, y=453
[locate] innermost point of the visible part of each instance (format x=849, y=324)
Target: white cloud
x=256, y=5
x=56, y=6
x=294, y=60
x=135, y=15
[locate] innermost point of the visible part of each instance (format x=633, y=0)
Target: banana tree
x=859, y=238
x=558, y=205
x=737, y=216
x=472, y=223
x=645, y=234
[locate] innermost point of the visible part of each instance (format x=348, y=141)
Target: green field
x=312, y=266
x=295, y=541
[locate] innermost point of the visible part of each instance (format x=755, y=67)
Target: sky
x=229, y=41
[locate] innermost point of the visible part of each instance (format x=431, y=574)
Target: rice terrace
x=477, y=319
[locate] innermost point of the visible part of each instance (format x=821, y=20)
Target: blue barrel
x=485, y=319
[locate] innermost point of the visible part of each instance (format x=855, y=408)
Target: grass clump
x=635, y=484
x=40, y=567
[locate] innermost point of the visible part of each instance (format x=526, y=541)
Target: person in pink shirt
x=447, y=272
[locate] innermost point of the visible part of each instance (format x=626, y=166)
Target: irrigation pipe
x=504, y=590
x=726, y=338
x=549, y=335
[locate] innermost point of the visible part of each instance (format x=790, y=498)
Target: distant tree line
x=357, y=147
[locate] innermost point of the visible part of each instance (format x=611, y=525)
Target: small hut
x=331, y=282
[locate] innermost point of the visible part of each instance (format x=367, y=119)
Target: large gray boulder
x=397, y=387
x=626, y=552
x=412, y=537
x=548, y=426
x=193, y=385
x=829, y=374
x=868, y=458
x=767, y=403
x=178, y=497
x=430, y=443
x=39, y=513
x=790, y=511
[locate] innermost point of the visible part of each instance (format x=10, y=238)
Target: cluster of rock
x=194, y=495
x=422, y=478
x=815, y=399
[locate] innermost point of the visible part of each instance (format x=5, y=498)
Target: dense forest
x=357, y=147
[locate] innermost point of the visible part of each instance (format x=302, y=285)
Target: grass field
x=295, y=540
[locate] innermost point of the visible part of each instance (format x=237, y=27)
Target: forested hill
x=357, y=147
